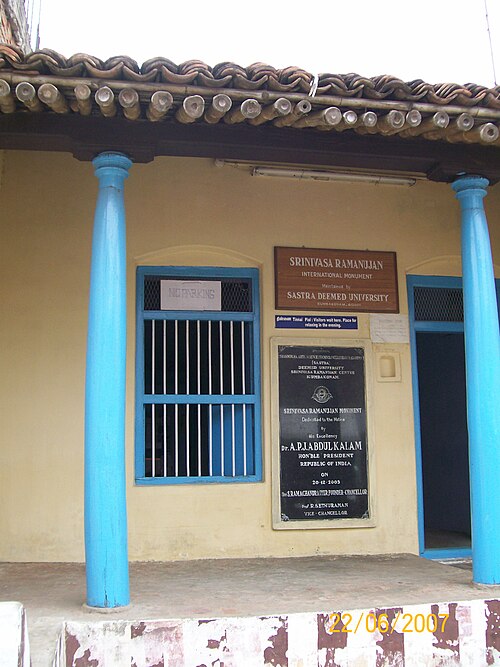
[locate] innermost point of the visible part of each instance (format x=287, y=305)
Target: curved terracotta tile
x=246, y=84
x=204, y=80
x=172, y=77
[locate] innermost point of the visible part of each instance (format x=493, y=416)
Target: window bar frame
x=233, y=441
x=188, y=466
x=153, y=411
x=222, y=448
x=164, y=393
x=176, y=391
x=210, y=438
x=244, y=391
x=198, y=342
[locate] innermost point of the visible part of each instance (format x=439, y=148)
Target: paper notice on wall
x=389, y=329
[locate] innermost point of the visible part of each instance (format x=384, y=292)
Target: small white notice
x=389, y=329
x=190, y=295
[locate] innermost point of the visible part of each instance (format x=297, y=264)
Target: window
x=197, y=375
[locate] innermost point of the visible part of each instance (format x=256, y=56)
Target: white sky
x=434, y=40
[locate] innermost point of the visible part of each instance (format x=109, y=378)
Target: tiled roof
x=254, y=77
x=452, y=112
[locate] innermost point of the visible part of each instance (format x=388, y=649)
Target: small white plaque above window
x=190, y=295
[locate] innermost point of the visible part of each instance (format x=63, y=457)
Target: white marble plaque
x=389, y=328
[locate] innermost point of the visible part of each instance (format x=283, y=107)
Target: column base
x=105, y=610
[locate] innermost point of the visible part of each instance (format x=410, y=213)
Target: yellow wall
x=182, y=211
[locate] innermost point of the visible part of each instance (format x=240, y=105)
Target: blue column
x=105, y=502
x=482, y=353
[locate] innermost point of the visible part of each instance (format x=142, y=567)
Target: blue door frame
x=429, y=327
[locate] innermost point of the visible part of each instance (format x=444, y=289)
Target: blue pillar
x=105, y=502
x=482, y=354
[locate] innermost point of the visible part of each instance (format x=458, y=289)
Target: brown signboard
x=336, y=280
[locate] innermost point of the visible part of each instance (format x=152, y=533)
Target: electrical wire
x=491, y=43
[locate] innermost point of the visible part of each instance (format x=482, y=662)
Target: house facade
x=235, y=214
x=14, y=27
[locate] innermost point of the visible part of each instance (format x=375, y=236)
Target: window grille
x=438, y=304
x=198, y=387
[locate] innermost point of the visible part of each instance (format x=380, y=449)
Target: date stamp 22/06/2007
x=372, y=622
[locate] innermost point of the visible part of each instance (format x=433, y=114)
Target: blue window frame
x=198, y=379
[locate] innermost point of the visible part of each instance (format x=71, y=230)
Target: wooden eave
x=86, y=137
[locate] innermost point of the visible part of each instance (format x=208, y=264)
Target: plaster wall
x=188, y=212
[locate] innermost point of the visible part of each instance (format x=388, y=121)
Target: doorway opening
x=438, y=362
x=443, y=436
